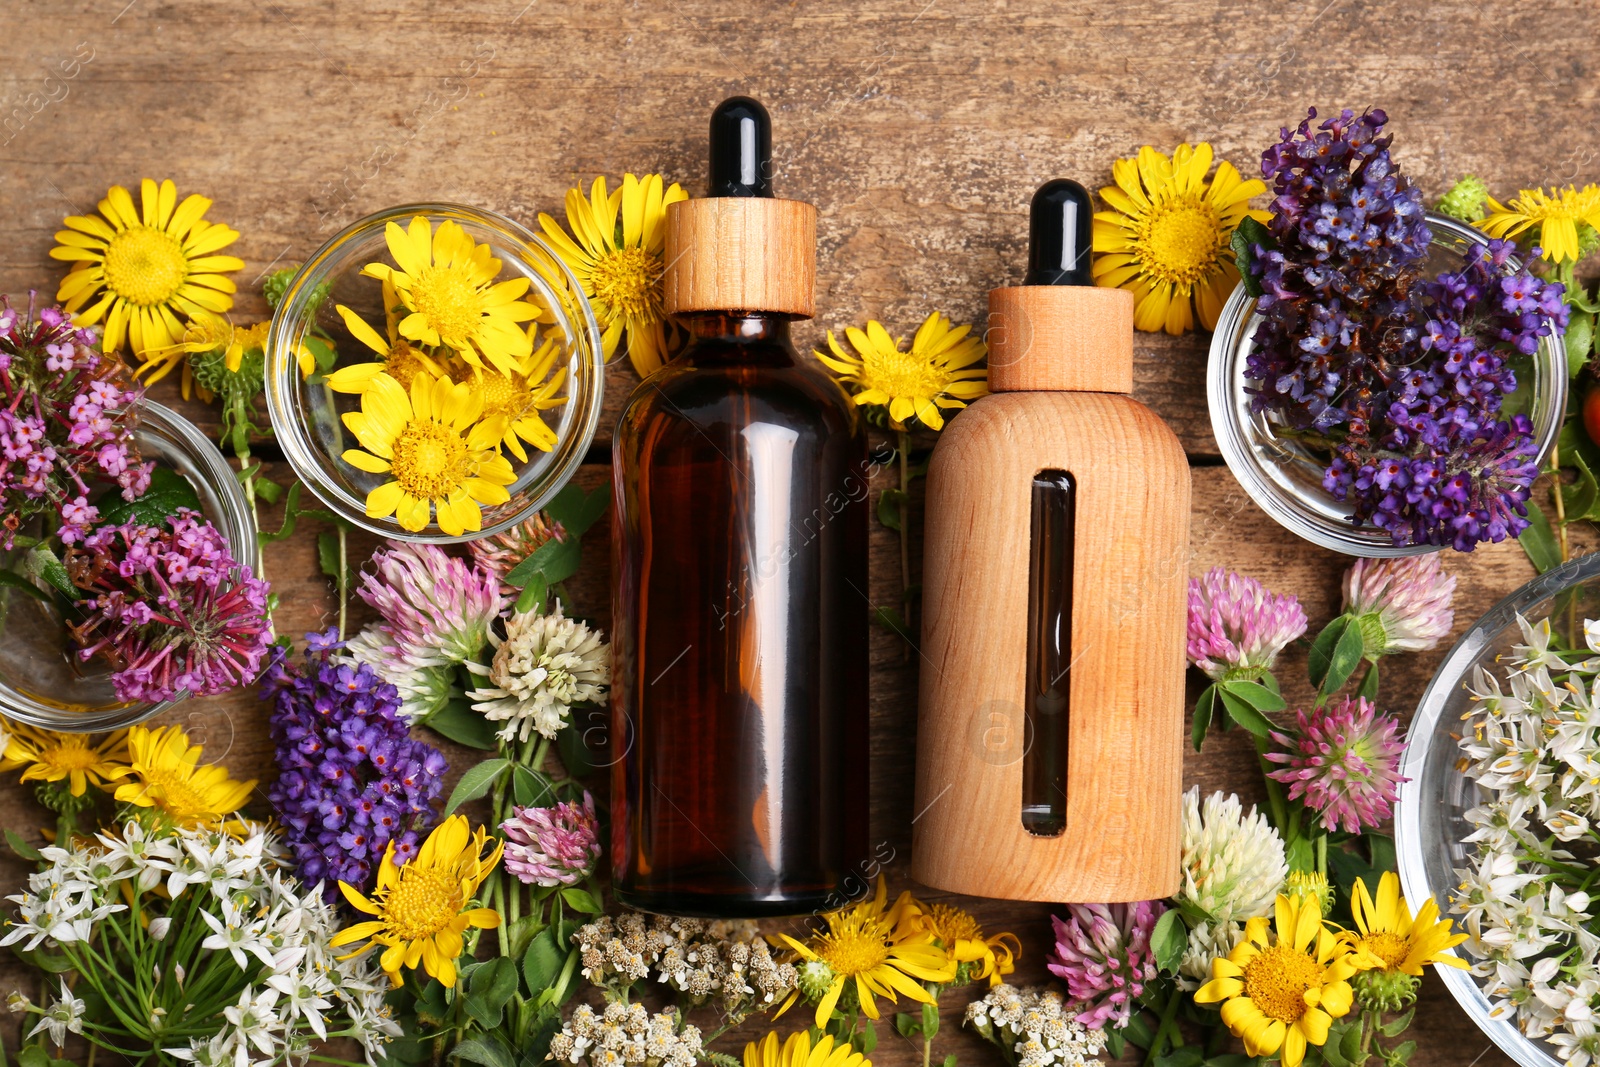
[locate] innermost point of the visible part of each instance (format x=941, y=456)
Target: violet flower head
x=170, y=608
x=1401, y=605
x=1237, y=626
x=1103, y=955
x=66, y=423
x=352, y=783
x=1343, y=762
x=553, y=846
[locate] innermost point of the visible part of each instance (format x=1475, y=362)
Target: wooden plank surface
x=919, y=128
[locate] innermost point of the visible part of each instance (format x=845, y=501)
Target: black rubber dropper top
x=741, y=149
x=1060, y=237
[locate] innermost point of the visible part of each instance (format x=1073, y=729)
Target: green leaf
x=534, y=595
x=529, y=789
x=328, y=561
x=930, y=1020
x=1246, y=236
x=541, y=964
x=1256, y=695
x=1335, y=654
x=1168, y=940
x=905, y=1025
x=1242, y=713
x=43, y=564
x=291, y=514
x=576, y=510
x=1397, y=1026
x=1187, y=1056
x=22, y=848
x=1115, y=1043
x=580, y=901
x=949, y=1061
x=1302, y=857
x=1320, y=660
x=869, y=1038
x=1332, y=1053
x=493, y=983
x=486, y=1051
x=457, y=721
x=17, y=581
x=1579, y=499
x=1369, y=682
x=168, y=492
x=1381, y=850
x=1538, y=541
x=475, y=783
x=1202, y=715
x=554, y=561
x=1579, y=340
x=268, y=490
x=1401, y=1053
x=889, y=502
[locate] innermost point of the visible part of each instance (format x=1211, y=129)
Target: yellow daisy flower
x=616, y=249
x=145, y=267
x=882, y=951
x=1166, y=235
x=1556, y=213
x=423, y=907
x=993, y=957
x=397, y=358
x=167, y=776
x=53, y=757
x=936, y=373
x=417, y=438
x=1284, y=992
x=205, y=332
x=1387, y=930
x=447, y=283
x=512, y=403
x=798, y=1051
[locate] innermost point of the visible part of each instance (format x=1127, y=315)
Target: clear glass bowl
x=1284, y=478
x=306, y=416
x=41, y=682
x=1429, y=823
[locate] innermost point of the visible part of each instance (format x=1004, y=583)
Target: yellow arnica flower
x=616, y=249
x=936, y=373
x=798, y=1051
x=168, y=777
x=205, y=332
x=416, y=438
x=1556, y=213
x=397, y=357
x=1385, y=928
x=52, y=757
x=423, y=907
x=447, y=283
x=512, y=403
x=882, y=951
x=1166, y=235
x=1284, y=992
x=992, y=957
x=145, y=268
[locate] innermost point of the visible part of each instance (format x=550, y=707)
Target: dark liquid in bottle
x=1044, y=766
x=739, y=704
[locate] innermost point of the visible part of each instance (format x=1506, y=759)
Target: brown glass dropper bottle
x=739, y=703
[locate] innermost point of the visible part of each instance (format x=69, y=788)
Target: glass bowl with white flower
x=1496, y=820
x=434, y=373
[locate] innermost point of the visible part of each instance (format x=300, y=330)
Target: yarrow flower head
x=1233, y=861
x=543, y=666
x=1401, y=605
x=1036, y=1027
x=1343, y=761
x=66, y=423
x=1103, y=954
x=351, y=780
x=170, y=608
x=1237, y=626
x=553, y=846
x=437, y=612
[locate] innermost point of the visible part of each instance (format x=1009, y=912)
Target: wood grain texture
x=1060, y=337
x=741, y=254
x=1125, y=710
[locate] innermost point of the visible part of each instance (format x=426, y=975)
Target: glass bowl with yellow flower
x=42, y=683
x=463, y=383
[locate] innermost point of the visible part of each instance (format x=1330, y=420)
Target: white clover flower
x=543, y=666
x=1233, y=861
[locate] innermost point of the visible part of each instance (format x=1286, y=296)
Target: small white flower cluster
x=1035, y=1025
x=1533, y=748
x=285, y=984
x=625, y=1035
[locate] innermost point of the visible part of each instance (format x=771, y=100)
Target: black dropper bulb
x=1060, y=237
x=741, y=149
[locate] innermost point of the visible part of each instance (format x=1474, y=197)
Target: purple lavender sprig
x=66, y=422
x=351, y=779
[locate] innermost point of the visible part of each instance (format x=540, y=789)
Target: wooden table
x=919, y=128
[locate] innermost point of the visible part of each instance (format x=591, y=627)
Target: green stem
x=1169, y=1015
x=1277, y=804
x=344, y=579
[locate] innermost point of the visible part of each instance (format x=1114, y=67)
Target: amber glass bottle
x=739, y=704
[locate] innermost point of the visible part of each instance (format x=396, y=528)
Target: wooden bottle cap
x=741, y=254
x=1059, y=338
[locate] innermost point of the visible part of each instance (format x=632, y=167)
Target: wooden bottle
x=1050, y=730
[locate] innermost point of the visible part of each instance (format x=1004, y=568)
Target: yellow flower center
x=1388, y=946
x=430, y=459
x=174, y=793
x=422, y=903
x=854, y=950
x=502, y=395
x=908, y=374
x=1178, y=240
x=145, y=266
x=402, y=364
x=1277, y=980
x=626, y=280
x=954, y=924
x=449, y=299
x=68, y=758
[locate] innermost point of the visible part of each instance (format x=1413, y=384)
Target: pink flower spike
x=1343, y=762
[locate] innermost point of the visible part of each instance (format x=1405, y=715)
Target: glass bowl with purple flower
x=1385, y=381
x=127, y=548
x=1493, y=819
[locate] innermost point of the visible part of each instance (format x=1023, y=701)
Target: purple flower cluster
x=351, y=779
x=65, y=422
x=170, y=608
x=553, y=846
x=1103, y=954
x=1402, y=377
